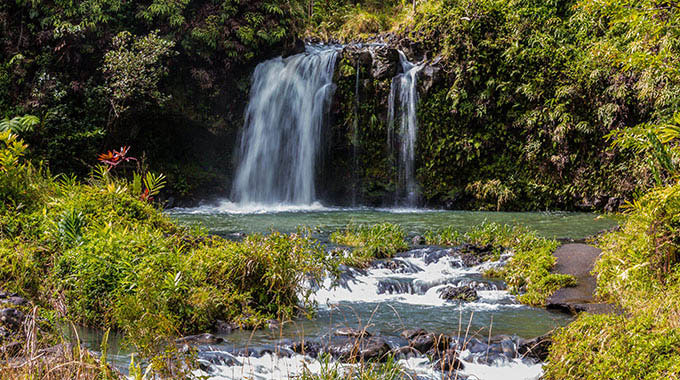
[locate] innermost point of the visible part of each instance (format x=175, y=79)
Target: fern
x=154, y=183
x=70, y=227
x=19, y=124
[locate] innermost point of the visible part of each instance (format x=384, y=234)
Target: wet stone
x=410, y=334
x=200, y=339
x=306, y=348
x=448, y=362
x=462, y=293
x=351, y=332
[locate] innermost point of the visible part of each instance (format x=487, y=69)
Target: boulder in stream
x=200, y=339
x=537, y=348
x=362, y=349
x=461, y=293
x=351, y=332
x=448, y=362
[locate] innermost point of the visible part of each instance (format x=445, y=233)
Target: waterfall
x=403, y=99
x=279, y=146
x=355, y=137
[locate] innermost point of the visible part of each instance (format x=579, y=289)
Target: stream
x=387, y=298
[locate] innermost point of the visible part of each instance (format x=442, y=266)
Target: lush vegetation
x=638, y=271
x=168, y=77
x=101, y=254
x=379, y=241
x=528, y=271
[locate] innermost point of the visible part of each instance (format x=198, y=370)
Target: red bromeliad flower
x=116, y=157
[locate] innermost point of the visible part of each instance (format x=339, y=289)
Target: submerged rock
x=224, y=328
x=473, y=255
x=351, y=332
x=200, y=339
x=306, y=348
x=537, y=348
x=354, y=350
x=448, y=362
x=410, y=334
x=461, y=293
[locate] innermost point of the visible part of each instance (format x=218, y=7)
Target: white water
x=405, y=91
x=279, y=145
x=427, y=274
x=274, y=367
x=426, y=279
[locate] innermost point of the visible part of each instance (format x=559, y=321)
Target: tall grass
x=378, y=241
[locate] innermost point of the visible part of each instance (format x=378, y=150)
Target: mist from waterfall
x=279, y=147
x=402, y=105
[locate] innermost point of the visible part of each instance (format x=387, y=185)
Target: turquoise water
x=224, y=221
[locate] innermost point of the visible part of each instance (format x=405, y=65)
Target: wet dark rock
x=205, y=366
x=397, y=266
x=354, y=350
x=200, y=339
x=418, y=240
x=296, y=47
x=12, y=318
x=476, y=347
x=430, y=75
x=219, y=358
x=425, y=343
x=537, y=348
x=351, y=332
x=385, y=63
x=394, y=286
x=508, y=348
x=224, y=328
x=410, y=334
x=433, y=256
x=448, y=362
x=405, y=352
x=306, y=348
x=613, y=204
x=473, y=255
x=462, y=293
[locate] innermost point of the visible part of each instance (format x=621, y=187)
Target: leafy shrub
x=615, y=347
x=370, y=242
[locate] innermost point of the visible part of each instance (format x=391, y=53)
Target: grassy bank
x=100, y=253
x=639, y=272
x=379, y=241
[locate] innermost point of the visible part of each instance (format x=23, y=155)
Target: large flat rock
x=577, y=260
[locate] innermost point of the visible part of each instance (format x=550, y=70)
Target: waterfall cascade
x=403, y=99
x=279, y=146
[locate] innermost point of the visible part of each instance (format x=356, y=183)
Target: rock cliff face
x=360, y=165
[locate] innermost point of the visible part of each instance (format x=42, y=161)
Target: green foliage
x=108, y=258
x=19, y=124
x=378, y=241
x=615, y=347
x=133, y=69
